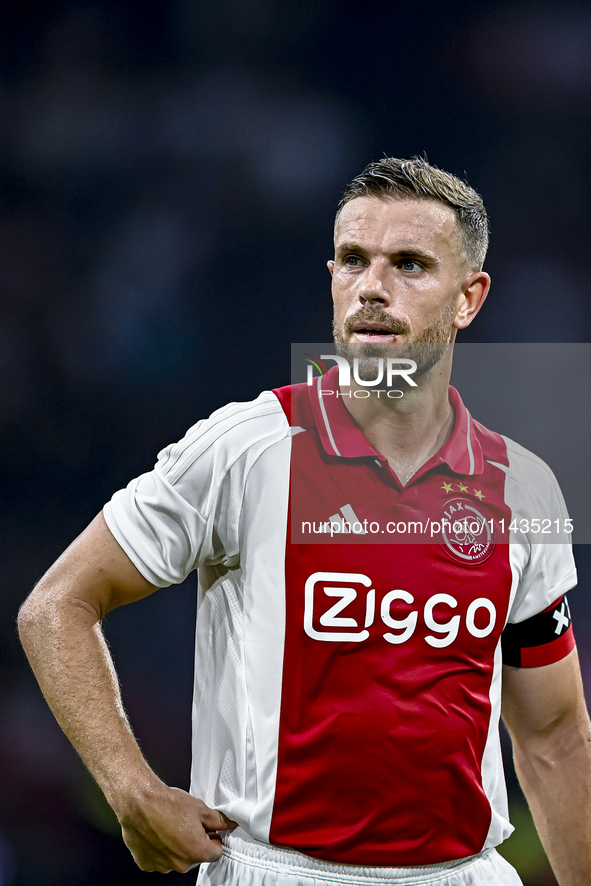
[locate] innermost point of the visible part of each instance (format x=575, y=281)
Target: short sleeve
x=540, y=545
x=185, y=513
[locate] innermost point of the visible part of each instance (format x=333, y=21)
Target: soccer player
x=347, y=689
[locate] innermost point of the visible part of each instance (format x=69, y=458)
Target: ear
x=330, y=266
x=474, y=291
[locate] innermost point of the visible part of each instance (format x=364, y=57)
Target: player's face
x=399, y=274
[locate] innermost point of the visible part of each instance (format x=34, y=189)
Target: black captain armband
x=540, y=640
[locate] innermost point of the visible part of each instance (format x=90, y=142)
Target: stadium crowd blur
x=169, y=175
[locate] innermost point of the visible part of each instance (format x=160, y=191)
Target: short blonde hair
x=417, y=179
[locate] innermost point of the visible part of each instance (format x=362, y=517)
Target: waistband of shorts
x=245, y=849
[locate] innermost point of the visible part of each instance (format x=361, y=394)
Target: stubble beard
x=427, y=349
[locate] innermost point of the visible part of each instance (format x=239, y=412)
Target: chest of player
x=422, y=569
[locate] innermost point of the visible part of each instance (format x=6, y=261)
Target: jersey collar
x=341, y=436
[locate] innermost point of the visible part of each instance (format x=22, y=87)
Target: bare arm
x=59, y=624
x=545, y=712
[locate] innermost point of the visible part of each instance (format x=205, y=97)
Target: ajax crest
x=466, y=533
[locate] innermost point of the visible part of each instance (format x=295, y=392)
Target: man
x=350, y=741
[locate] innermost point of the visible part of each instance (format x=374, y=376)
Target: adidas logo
x=344, y=522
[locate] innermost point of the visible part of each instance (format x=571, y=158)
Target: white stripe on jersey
x=325, y=416
x=239, y=657
x=469, y=442
x=493, y=776
x=176, y=459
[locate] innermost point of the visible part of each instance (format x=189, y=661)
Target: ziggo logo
x=444, y=633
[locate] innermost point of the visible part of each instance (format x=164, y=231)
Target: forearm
x=68, y=653
x=163, y=827
x=555, y=774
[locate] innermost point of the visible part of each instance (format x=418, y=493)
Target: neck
x=408, y=431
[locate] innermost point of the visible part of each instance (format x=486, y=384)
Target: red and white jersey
x=347, y=689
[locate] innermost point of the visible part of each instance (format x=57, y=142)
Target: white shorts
x=247, y=862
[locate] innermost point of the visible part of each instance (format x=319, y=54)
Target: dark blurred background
x=169, y=177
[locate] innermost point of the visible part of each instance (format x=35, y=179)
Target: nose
x=374, y=288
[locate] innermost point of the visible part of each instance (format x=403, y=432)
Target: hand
x=169, y=830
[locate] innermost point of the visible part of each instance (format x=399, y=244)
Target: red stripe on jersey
x=549, y=653
x=389, y=655
x=284, y=397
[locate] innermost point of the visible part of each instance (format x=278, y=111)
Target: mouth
x=370, y=333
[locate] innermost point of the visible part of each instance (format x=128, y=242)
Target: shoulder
x=531, y=489
x=529, y=473
x=524, y=462
x=226, y=435
x=518, y=463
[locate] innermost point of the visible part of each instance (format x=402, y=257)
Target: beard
x=427, y=349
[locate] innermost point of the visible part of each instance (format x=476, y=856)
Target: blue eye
x=409, y=265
